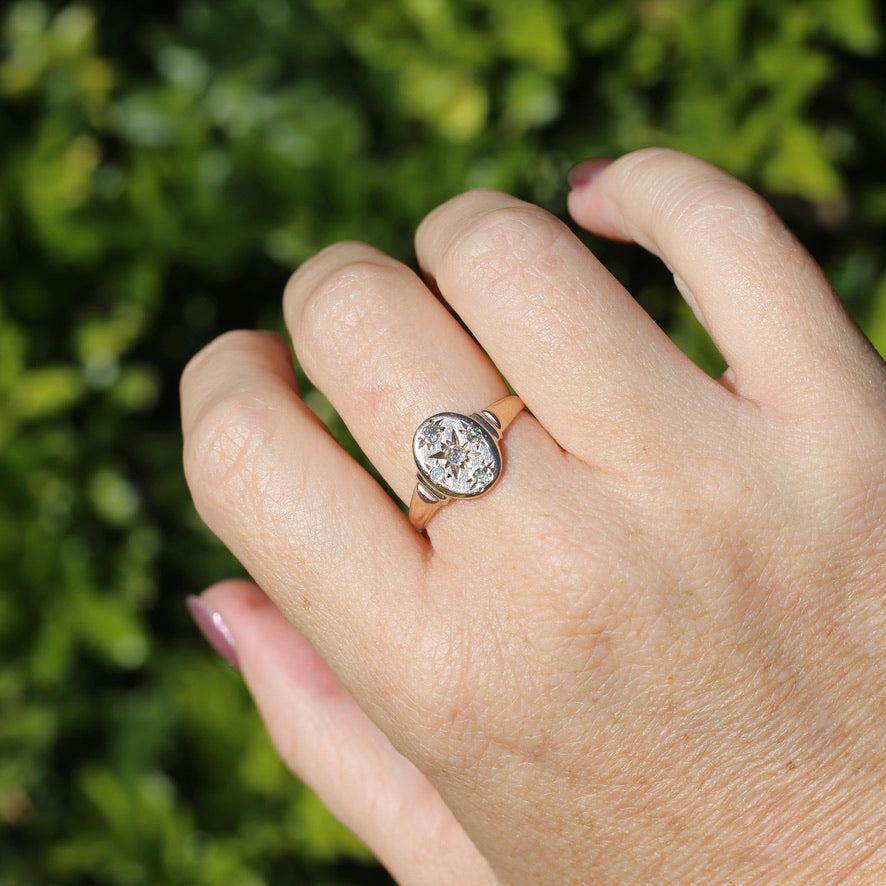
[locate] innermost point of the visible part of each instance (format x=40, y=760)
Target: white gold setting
x=456, y=456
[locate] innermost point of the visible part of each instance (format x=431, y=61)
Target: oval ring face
x=456, y=455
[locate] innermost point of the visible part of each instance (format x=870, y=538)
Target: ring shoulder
x=506, y=410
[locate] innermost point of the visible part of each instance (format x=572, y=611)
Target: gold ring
x=458, y=456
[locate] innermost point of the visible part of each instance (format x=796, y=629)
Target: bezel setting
x=457, y=456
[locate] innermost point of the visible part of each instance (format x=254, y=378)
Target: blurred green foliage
x=163, y=166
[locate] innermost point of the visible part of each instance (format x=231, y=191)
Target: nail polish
x=585, y=172
x=214, y=629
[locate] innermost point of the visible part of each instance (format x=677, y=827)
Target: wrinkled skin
x=654, y=652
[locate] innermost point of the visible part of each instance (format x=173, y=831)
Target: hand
x=654, y=652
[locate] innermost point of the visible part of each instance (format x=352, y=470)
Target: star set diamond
x=456, y=455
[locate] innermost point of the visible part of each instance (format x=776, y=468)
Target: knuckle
x=700, y=202
x=712, y=206
x=496, y=243
x=226, y=455
x=738, y=216
x=240, y=340
x=310, y=268
x=318, y=264
x=342, y=315
x=326, y=263
x=642, y=170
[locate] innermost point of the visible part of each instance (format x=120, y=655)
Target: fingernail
x=585, y=172
x=214, y=629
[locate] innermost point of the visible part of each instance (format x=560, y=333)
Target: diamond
x=457, y=456
x=483, y=476
x=474, y=434
x=431, y=432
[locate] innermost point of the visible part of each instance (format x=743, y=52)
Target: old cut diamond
x=483, y=476
x=457, y=456
x=474, y=433
x=432, y=432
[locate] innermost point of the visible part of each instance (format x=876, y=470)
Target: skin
x=654, y=653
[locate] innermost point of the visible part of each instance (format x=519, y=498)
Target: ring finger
x=371, y=336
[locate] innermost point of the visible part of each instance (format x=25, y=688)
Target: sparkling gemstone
x=432, y=433
x=483, y=476
x=474, y=434
x=456, y=455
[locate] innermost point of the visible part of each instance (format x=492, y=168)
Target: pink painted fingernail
x=214, y=629
x=585, y=172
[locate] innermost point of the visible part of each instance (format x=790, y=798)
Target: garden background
x=163, y=167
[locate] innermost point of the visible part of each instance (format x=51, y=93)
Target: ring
x=458, y=456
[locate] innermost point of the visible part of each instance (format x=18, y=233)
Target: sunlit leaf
x=46, y=391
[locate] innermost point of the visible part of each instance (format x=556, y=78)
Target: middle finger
x=590, y=363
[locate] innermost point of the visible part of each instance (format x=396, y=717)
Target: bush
x=163, y=168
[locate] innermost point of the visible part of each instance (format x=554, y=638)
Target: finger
x=297, y=510
x=388, y=354
x=594, y=368
x=763, y=300
x=328, y=741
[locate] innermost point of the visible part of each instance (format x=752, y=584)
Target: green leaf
x=531, y=99
x=449, y=100
x=109, y=628
x=532, y=32
x=46, y=391
x=875, y=323
x=854, y=23
x=802, y=165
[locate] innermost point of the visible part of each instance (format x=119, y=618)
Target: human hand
x=654, y=652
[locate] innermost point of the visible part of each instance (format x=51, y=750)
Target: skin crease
x=654, y=652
